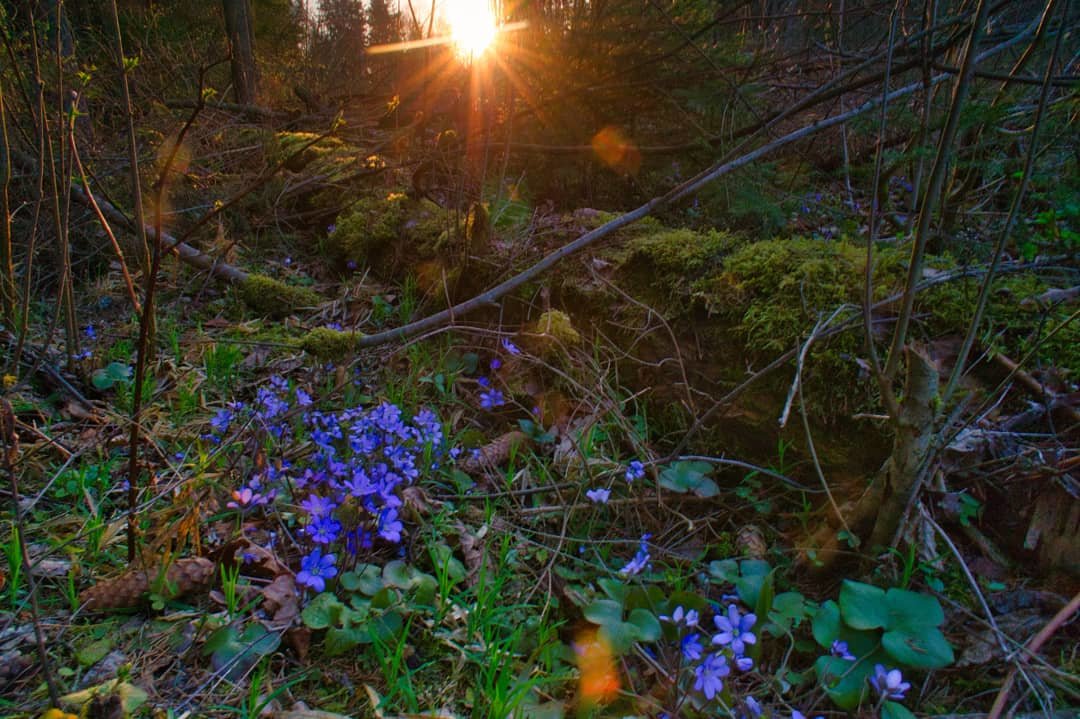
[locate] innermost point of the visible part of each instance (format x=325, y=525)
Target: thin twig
x=1059, y=619
x=8, y=450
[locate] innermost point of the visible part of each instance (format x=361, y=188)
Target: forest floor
x=499, y=518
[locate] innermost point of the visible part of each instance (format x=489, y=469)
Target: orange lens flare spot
x=596, y=665
x=616, y=150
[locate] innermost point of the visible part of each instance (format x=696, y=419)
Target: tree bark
x=239, y=27
x=906, y=468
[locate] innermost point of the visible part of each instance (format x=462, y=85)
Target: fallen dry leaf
x=281, y=601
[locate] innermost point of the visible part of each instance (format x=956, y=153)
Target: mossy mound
x=331, y=345
x=395, y=232
x=777, y=289
x=273, y=297
x=368, y=229
x=663, y=264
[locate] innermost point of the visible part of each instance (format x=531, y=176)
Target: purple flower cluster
x=347, y=490
x=490, y=398
x=730, y=643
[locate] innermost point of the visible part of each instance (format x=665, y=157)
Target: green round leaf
x=726, y=570
x=615, y=589
x=844, y=681
x=101, y=380
x=912, y=610
x=366, y=578
x=397, y=574
x=426, y=589
x=620, y=636
x=688, y=476
x=749, y=589
x=789, y=609
x=604, y=612
x=827, y=627
x=386, y=626
x=863, y=605
x=648, y=626
x=927, y=649
x=339, y=640
x=118, y=371
x=323, y=611
x=892, y=710
x=649, y=597
x=754, y=567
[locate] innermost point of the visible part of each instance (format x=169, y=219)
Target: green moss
x=273, y=297
x=682, y=251
x=368, y=229
x=777, y=289
x=661, y=265
x=327, y=344
x=1009, y=328
x=388, y=231
x=551, y=334
x=591, y=219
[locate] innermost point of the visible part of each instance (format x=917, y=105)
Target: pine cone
x=182, y=577
x=495, y=452
x=750, y=542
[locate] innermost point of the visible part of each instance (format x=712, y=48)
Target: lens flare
x=596, y=665
x=472, y=26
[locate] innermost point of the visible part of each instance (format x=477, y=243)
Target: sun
x=472, y=26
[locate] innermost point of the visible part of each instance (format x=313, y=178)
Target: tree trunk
x=906, y=467
x=239, y=27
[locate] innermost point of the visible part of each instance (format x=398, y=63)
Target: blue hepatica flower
x=491, y=399
x=710, y=674
x=317, y=506
x=91, y=333
x=220, y=422
x=680, y=615
x=753, y=707
x=734, y=630
x=691, y=648
x=640, y=560
x=315, y=569
x=840, y=649
x=744, y=664
x=510, y=347
x=599, y=496
x=324, y=530
x=889, y=683
x=390, y=526
x=246, y=498
x=636, y=470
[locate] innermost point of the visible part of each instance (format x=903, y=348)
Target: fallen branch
x=1050, y=298
x=1037, y=388
x=184, y=251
